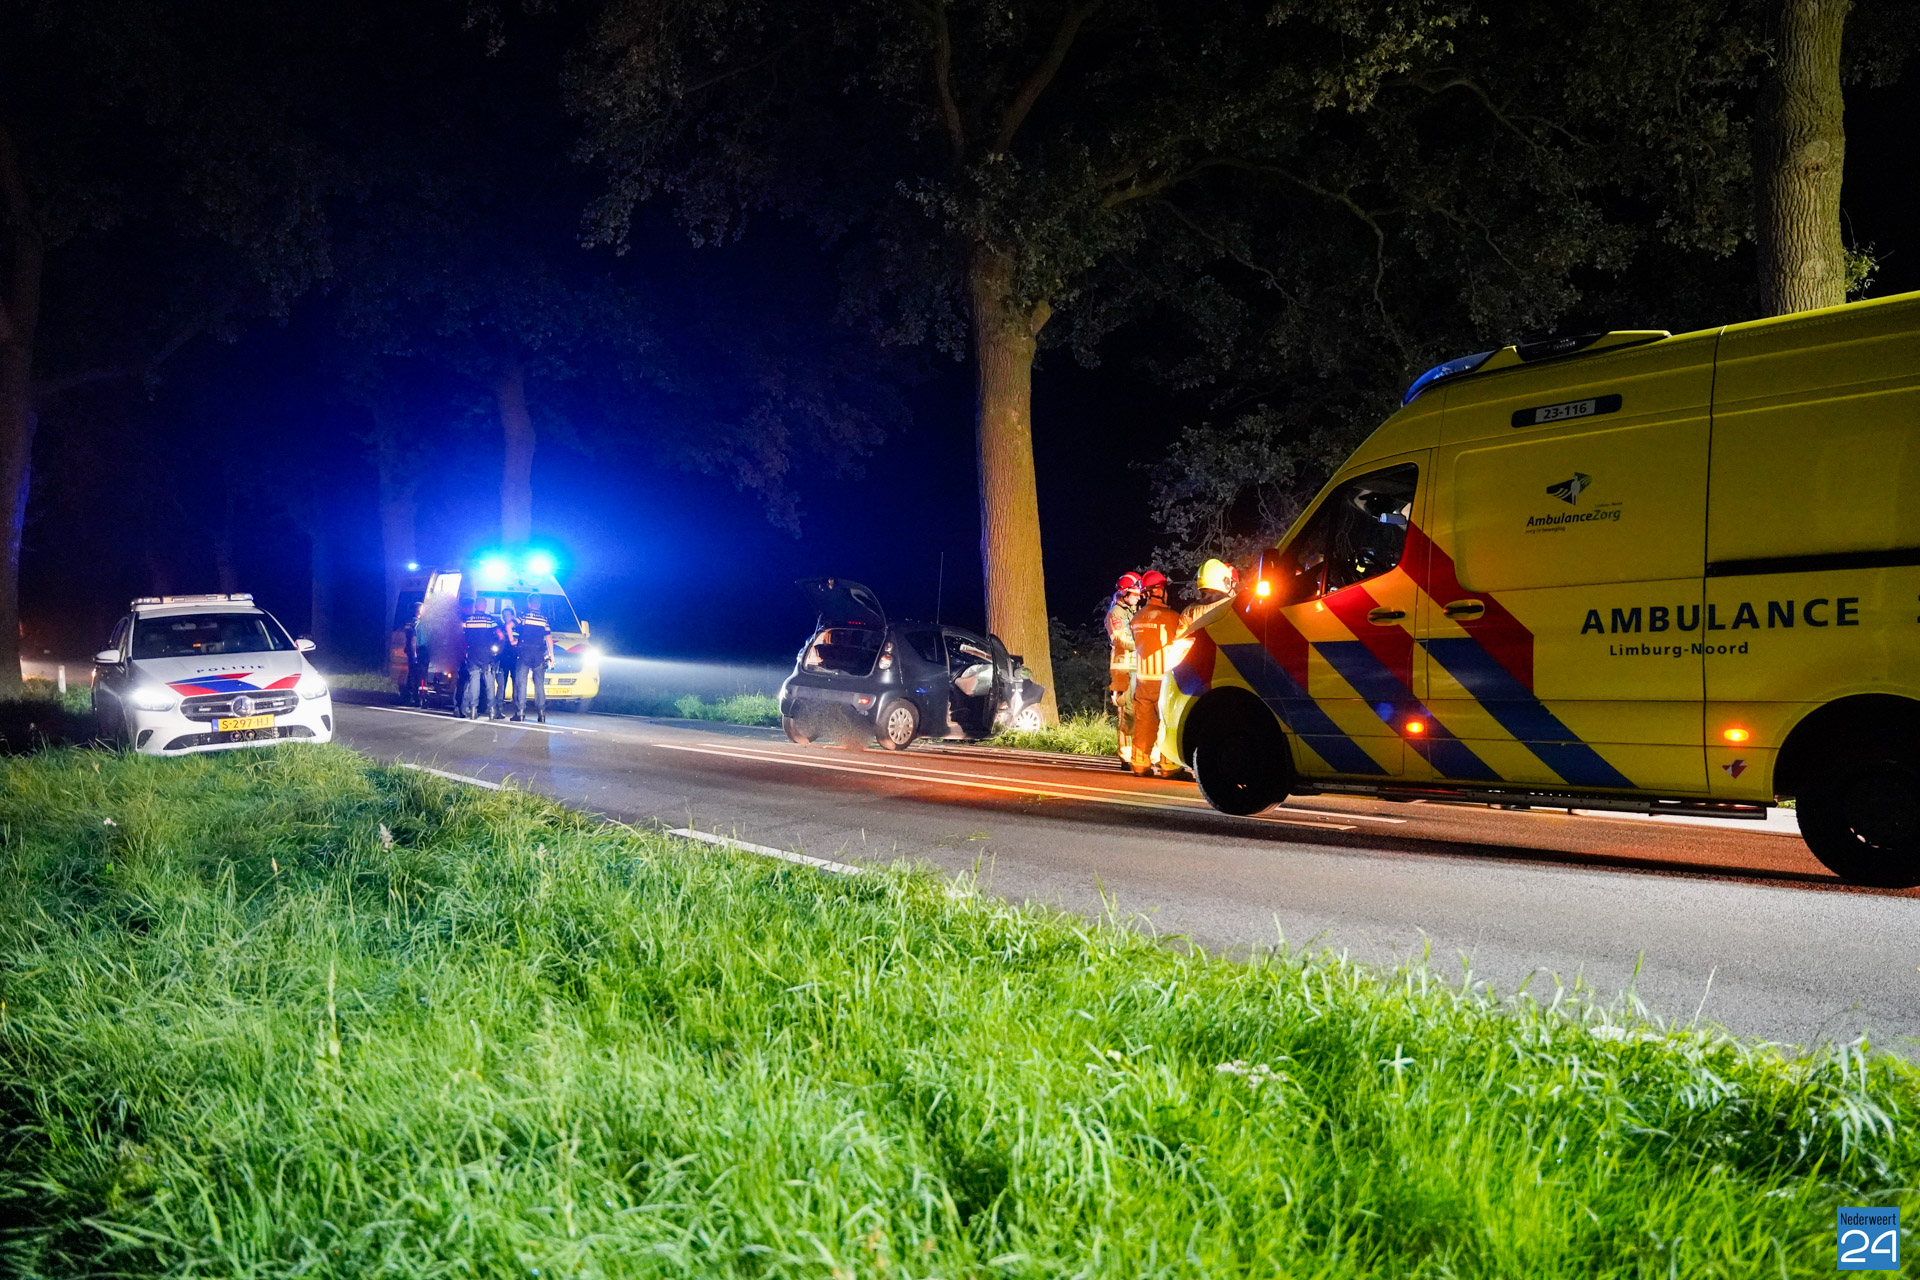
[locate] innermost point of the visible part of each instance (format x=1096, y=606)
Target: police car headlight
x=311, y=686
x=154, y=698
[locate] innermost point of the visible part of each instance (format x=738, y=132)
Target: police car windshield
x=199, y=635
x=558, y=613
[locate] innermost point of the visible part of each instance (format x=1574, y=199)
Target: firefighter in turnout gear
x=1153, y=628
x=1120, y=658
x=483, y=638
x=1217, y=584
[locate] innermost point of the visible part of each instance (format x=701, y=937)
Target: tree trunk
x=516, y=475
x=224, y=568
x=1004, y=337
x=1800, y=147
x=398, y=509
x=320, y=565
x=19, y=325
x=17, y=424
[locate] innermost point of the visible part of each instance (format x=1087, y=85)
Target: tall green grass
x=288, y=1013
x=741, y=708
x=1088, y=733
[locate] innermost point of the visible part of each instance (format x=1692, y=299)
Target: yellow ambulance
x=573, y=681
x=1634, y=570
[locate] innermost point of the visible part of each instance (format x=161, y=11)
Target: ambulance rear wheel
x=1240, y=760
x=1861, y=817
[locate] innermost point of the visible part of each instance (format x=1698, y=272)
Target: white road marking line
x=783, y=753
x=504, y=724
x=838, y=868
x=455, y=777
x=780, y=753
x=1029, y=789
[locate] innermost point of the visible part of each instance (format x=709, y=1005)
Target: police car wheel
x=899, y=726
x=1861, y=818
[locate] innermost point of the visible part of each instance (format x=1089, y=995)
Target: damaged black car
x=860, y=678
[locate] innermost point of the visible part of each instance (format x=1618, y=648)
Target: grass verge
x=741, y=708
x=289, y=1013
x=1085, y=734
x=43, y=717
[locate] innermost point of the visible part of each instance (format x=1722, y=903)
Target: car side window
x=926, y=644
x=1359, y=532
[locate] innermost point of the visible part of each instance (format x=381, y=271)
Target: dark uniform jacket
x=481, y=631
x=534, y=633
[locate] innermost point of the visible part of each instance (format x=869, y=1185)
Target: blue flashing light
x=413, y=566
x=1452, y=368
x=540, y=565
x=494, y=571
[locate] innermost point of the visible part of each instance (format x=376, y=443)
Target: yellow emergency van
x=573, y=681
x=1633, y=570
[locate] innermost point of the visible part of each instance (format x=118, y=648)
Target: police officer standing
x=532, y=655
x=1120, y=656
x=480, y=631
x=1153, y=628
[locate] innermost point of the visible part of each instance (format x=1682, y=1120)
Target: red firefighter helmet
x=1153, y=580
x=1128, y=582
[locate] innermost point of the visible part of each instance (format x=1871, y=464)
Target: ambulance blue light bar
x=1451, y=369
x=1573, y=344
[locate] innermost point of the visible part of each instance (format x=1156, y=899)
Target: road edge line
x=765, y=851
x=452, y=777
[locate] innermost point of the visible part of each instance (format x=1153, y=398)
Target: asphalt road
x=1734, y=926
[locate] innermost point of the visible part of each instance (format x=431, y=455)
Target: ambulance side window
x=1359, y=532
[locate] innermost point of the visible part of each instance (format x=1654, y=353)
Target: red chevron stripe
x=1501, y=634
x=1393, y=646
x=1288, y=646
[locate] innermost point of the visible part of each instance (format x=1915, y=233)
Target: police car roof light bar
x=238, y=597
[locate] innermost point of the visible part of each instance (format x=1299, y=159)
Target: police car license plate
x=242, y=722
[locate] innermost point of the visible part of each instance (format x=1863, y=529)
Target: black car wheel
x=1861, y=817
x=1239, y=757
x=899, y=725
x=794, y=732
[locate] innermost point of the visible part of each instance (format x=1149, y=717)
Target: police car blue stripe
x=1297, y=711
x=1515, y=709
x=1370, y=678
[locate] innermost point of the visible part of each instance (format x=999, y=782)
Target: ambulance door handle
x=1466, y=609
x=1386, y=617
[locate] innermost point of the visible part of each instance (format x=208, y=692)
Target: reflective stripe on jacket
x=1154, y=628
x=1119, y=638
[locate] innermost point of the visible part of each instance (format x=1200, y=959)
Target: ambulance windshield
x=1359, y=532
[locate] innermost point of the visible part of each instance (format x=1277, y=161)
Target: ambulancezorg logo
x=1569, y=491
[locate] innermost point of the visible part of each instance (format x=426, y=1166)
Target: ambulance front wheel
x=1861, y=817
x=1239, y=756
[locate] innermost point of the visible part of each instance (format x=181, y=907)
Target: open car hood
x=840, y=601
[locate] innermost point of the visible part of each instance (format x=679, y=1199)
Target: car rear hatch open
x=841, y=602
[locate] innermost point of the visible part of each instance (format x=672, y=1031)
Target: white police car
x=206, y=673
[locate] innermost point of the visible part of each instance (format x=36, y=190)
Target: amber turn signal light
x=1416, y=727
x=1263, y=588
x=1735, y=735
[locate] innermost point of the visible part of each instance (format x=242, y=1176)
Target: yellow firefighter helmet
x=1218, y=575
